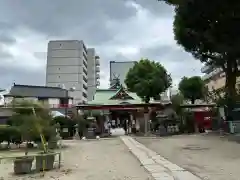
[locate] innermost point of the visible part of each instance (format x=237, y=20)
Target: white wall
x=53, y=101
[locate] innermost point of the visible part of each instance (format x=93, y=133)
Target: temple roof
x=116, y=97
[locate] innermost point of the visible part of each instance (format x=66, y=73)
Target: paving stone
x=184, y=175
x=169, y=165
x=162, y=176
x=158, y=167
x=155, y=168
x=147, y=161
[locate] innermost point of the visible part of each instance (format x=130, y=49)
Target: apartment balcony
x=97, y=69
x=97, y=76
x=213, y=73
x=97, y=83
x=97, y=62
x=206, y=69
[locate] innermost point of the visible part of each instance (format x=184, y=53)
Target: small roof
x=18, y=90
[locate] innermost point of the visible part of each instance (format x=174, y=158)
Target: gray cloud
x=7, y=39
x=11, y=74
x=156, y=7
x=84, y=19
x=90, y=20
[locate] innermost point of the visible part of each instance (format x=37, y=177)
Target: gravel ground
x=90, y=160
x=209, y=157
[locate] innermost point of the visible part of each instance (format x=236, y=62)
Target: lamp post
x=72, y=89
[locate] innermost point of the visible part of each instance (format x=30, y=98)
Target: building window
x=58, y=76
x=60, y=45
x=58, y=68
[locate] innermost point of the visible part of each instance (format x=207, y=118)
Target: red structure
x=202, y=115
x=121, y=107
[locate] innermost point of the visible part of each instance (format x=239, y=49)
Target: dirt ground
x=89, y=160
x=209, y=157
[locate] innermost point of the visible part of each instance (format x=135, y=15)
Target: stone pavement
x=156, y=165
x=104, y=159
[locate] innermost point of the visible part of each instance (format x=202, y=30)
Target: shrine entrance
x=120, y=119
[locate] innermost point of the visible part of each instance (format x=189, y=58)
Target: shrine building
x=121, y=108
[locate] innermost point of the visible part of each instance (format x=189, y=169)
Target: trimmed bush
x=10, y=134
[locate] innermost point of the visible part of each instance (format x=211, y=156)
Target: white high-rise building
x=67, y=64
x=93, y=69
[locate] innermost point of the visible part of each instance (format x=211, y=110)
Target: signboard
x=91, y=133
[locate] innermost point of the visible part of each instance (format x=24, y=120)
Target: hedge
x=12, y=134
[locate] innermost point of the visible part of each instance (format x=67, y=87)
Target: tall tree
x=209, y=30
x=192, y=88
x=148, y=79
x=177, y=100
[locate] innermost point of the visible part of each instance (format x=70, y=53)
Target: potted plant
x=23, y=165
x=45, y=160
x=34, y=118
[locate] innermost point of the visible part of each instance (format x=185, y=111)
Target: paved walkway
x=90, y=160
x=158, y=167
x=209, y=157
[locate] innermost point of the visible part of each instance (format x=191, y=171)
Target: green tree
x=192, y=88
x=31, y=118
x=209, y=30
x=148, y=79
x=177, y=100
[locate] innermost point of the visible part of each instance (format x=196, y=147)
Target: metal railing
x=48, y=105
x=61, y=105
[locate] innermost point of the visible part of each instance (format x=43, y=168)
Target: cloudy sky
x=120, y=30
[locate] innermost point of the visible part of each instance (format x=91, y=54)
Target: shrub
x=63, y=121
x=10, y=134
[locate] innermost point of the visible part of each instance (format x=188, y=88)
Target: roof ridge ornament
x=121, y=94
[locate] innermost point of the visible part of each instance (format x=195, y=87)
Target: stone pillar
x=118, y=121
x=107, y=119
x=76, y=136
x=131, y=119
x=132, y=123
x=145, y=123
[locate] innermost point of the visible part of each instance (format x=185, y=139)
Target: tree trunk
x=230, y=85
x=193, y=100
x=146, y=116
